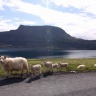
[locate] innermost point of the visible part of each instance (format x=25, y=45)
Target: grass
x=73, y=63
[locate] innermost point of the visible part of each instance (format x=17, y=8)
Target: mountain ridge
x=43, y=37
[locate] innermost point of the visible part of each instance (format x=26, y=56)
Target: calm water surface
x=29, y=53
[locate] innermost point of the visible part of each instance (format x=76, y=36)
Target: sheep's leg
x=62, y=69
x=33, y=74
x=8, y=74
x=39, y=72
x=46, y=69
x=57, y=69
x=21, y=73
x=51, y=69
x=67, y=68
x=42, y=70
x=36, y=73
x=11, y=72
x=27, y=72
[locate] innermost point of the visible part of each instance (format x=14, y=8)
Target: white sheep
x=94, y=65
x=55, y=65
x=14, y=64
x=36, y=69
x=81, y=66
x=63, y=65
x=48, y=64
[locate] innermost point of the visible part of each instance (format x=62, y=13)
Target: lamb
x=48, y=64
x=63, y=64
x=55, y=66
x=14, y=64
x=81, y=66
x=36, y=68
x=94, y=65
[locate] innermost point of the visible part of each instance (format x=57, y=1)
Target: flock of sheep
x=21, y=64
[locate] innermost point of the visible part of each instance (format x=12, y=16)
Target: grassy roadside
x=73, y=63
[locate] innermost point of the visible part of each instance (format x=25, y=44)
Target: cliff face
x=42, y=37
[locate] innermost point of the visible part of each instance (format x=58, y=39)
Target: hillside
x=42, y=37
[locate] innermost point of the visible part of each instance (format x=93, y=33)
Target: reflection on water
x=29, y=53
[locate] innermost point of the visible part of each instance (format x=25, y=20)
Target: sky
x=76, y=17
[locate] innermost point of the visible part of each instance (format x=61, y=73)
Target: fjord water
x=30, y=53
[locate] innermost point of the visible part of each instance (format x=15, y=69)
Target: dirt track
x=61, y=84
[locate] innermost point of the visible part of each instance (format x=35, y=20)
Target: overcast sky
x=76, y=17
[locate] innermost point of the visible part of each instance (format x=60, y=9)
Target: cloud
x=86, y=5
x=5, y=24
x=76, y=24
x=10, y=24
x=25, y=22
x=1, y=5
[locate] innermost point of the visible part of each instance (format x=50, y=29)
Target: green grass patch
x=73, y=63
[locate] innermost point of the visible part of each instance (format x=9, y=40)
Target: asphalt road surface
x=58, y=84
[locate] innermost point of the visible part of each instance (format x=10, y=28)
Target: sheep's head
x=2, y=58
x=59, y=63
x=44, y=61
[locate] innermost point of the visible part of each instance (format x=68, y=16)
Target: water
x=29, y=53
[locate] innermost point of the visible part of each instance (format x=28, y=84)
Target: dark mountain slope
x=43, y=37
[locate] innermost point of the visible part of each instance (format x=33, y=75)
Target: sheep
x=81, y=66
x=36, y=68
x=14, y=64
x=94, y=65
x=55, y=66
x=48, y=64
x=62, y=65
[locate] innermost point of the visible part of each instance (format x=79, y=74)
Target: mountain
x=50, y=37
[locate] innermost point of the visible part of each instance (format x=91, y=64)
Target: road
x=58, y=84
